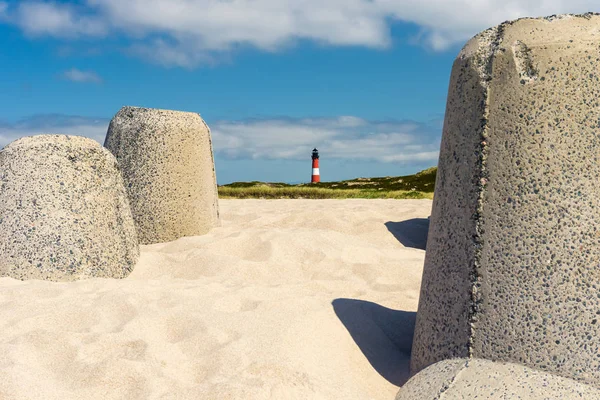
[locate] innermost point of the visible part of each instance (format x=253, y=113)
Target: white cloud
x=341, y=138
x=349, y=138
x=191, y=32
x=38, y=18
x=94, y=128
x=76, y=75
x=265, y=24
x=168, y=54
x=447, y=22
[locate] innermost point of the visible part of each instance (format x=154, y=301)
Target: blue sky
x=365, y=81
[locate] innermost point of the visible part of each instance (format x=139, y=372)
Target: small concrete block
x=462, y=379
x=64, y=213
x=167, y=163
x=432, y=381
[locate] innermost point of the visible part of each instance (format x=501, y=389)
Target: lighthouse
x=315, y=167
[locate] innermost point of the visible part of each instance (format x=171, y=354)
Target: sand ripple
x=289, y=299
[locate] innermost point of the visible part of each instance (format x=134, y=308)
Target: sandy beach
x=288, y=299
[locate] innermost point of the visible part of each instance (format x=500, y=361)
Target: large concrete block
x=167, y=163
x=64, y=213
x=512, y=266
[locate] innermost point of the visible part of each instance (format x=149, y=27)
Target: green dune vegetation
x=417, y=186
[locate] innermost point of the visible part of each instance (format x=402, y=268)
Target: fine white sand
x=289, y=299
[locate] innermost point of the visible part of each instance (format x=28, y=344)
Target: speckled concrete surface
x=167, y=163
x=511, y=271
x=431, y=382
x=64, y=213
x=466, y=379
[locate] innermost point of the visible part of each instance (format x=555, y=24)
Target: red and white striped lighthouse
x=315, y=167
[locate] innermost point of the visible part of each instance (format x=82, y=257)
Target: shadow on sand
x=410, y=233
x=383, y=335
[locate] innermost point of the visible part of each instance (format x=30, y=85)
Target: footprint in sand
x=235, y=304
x=249, y=305
x=134, y=350
x=179, y=328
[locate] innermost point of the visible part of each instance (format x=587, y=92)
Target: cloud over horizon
x=94, y=128
x=345, y=137
x=188, y=33
x=339, y=138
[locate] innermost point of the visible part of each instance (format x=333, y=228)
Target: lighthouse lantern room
x=315, y=167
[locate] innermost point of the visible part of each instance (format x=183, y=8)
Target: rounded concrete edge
x=432, y=381
x=484, y=379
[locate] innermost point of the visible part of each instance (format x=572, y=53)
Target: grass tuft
x=303, y=192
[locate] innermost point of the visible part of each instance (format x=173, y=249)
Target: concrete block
x=461, y=379
x=64, y=213
x=512, y=265
x=167, y=163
